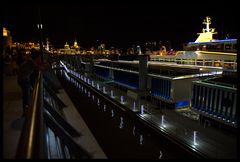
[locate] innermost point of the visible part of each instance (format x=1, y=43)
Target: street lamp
x=40, y=27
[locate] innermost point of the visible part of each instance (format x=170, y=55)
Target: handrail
x=31, y=142
x=76, y=151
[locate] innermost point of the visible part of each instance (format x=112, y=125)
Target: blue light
x=102, y=72
x=161, y=88
x=182, y=103
x=130, y=80
x=214, y=41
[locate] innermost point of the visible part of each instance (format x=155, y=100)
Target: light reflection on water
x=112, y=113
x=121, y=123
x=104, y=107
x=133, y=131
x=89, y=94
x=141, y=139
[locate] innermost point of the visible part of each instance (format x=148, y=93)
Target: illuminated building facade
x=7, y=39
x=75, y=45
x=27, y=45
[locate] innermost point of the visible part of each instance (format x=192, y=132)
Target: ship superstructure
x=205, y=51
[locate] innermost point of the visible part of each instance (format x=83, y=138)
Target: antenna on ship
x=207, y=21
x=207, y=32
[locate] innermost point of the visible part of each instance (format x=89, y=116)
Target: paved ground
x=12, y=111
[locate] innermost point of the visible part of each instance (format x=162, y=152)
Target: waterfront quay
x=190, y=134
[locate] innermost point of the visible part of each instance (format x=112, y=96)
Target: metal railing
x=31, y=143
x=45, y=116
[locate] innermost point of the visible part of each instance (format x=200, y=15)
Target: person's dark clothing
x=20, y=59
x=26, y=93
x=25, y=71
x=33, y=77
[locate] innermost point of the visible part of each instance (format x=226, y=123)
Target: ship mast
x=207, y=33
x=207, y=21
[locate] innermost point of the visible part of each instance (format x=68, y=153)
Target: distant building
x=7, y=39
x=26, y=45
x=66, y=46
x=47, y=45
x=130, y=51
x=75, y=45
x=73, y=50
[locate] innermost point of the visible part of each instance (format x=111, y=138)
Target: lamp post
x=40, y=27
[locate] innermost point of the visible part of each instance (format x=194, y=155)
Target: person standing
x=23, y=79
x=14, y=65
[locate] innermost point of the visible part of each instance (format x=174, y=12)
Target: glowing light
x=97, y=86
x=104, y=90
x=182, y=104
x=142, y=109
x=88, y=94
x=218, y=53
x=5, y=32
x=98, y=102
x=134, y=106
x=194, y=137
x=121, y=123
x=134, y=130
x=112, y=113
x=112, y=94
x=160, y=154
x=141, y=139
x=162, y=121
x=122, y=100
x=104, y=107
x=214, y=41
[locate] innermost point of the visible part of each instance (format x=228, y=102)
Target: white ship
x=205, y=51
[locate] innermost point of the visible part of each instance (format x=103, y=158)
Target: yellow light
x=219, y=53
x=5, y=32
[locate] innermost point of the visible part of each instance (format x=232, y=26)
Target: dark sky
x=117, y=23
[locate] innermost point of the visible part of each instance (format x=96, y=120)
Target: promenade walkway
x=12, y=111
x=13, y=122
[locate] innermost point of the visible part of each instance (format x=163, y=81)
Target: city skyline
x=119, y=25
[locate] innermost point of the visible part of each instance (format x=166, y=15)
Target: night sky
x=116, y=23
